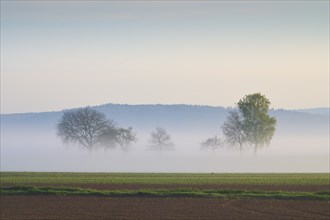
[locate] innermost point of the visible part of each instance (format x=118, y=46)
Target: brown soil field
x=290, y=188
x=91, y=207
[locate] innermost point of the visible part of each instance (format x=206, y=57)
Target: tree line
x=248, y=125
x=90, y=129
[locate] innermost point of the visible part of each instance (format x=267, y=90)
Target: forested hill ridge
x=177, y=118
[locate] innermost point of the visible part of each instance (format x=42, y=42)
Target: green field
x=30, y=183
x=227, y=194
x=28, y=178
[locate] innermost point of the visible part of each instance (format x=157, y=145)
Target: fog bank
x=29, y=143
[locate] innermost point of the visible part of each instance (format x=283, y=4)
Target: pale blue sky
x=57, y=54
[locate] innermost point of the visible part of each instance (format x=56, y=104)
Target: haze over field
x=300, y=144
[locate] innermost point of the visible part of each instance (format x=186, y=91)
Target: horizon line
x=150, y=104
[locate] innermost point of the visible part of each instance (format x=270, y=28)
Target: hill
x=177, y=118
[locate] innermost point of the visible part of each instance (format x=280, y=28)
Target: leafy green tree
x=257, y=125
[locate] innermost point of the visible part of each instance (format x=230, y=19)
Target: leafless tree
x=125, y=138
x=84, y=126
x=160, y=140
x=89, y=128
x=212, y=143
x=233, y=130
x=110, y=137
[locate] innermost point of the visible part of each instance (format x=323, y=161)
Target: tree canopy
x=251, y=124
x=258, y=125
x=233, y=130
x=90, y=128
x=212, y=143
x=160, y=139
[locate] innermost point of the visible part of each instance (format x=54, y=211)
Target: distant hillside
x=176, y=118
x=301, y=123
x=319, y=111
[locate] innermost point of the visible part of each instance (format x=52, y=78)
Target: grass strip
x=30, y=190
x=30, y=178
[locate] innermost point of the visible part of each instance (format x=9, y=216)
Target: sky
x=62, y=54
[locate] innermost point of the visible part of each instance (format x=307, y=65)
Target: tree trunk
x=255, y=149
x=125, y=149
x=241, y=149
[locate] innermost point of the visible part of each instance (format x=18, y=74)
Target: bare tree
x=90, y=128
x=110, y=136
x=84, y=126
x=233, y=130
x=212, y=143
x=160, y=140
x=125, y=138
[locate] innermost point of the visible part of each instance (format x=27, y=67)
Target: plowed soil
x=91, y=207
